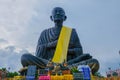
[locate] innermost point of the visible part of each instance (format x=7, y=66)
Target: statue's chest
x=52, y=35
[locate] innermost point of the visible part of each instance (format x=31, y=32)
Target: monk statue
x=47, y=44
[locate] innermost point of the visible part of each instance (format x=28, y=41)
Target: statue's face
x=58, y=14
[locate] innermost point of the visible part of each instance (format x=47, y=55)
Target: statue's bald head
x=58, y=14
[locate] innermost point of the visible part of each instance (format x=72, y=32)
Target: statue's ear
x=65, y=18
x=51, y=18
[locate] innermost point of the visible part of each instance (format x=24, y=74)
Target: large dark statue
x=47, y=45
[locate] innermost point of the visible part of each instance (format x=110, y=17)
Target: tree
x=115, y=74
x=12, y=74
x=4, y=69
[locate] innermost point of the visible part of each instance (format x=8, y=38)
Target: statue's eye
x=61, y=12
x=56, y=11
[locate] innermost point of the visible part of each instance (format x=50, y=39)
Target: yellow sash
x=62, y=45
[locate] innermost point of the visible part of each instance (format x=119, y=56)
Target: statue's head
x=58, y=15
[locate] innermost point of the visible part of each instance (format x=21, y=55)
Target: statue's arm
x=52, y=44
x=41, y=48
x=75, y=45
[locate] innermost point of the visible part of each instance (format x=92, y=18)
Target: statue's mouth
x=58, y=16
x=58, y=21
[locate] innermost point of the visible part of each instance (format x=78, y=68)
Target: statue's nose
x=57, y=12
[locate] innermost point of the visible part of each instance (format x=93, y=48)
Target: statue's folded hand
x=52, y=44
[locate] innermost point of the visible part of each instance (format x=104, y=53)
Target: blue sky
x=97, y=23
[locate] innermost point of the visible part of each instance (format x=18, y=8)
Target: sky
x=97, y=23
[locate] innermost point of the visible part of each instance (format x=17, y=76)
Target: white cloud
x=3, y=41
x=14, y=19
x=11, y=57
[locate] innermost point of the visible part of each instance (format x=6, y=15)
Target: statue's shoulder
x=73, y=30
x=46, y=30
